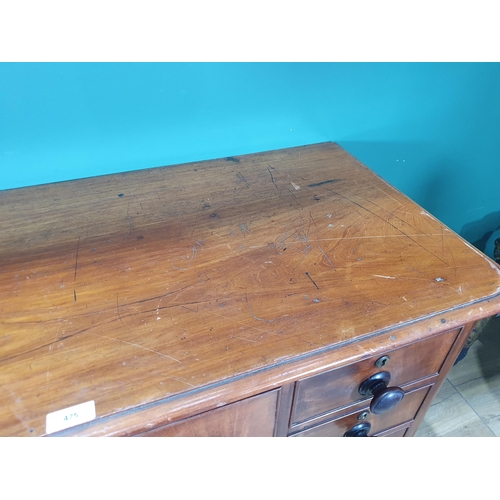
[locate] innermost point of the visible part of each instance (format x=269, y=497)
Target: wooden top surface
x=130, y=288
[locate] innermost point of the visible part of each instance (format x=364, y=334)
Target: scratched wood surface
x=130, y=288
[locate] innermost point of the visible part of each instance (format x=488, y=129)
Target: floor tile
x=468, y=403
x=452, y=416
x=484, y=398
x=483, y=358
x=444, y=393
x=478, y=381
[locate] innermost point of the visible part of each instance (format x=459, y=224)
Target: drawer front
x=252, y=417
x=337, y=388
x=404, y=412
x=398, y=432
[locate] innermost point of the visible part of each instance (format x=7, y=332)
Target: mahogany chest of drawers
x=286, y=293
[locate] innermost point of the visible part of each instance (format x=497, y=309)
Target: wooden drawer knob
x=384, y=398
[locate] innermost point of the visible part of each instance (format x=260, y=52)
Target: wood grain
x=252, y=417
x=139, y=288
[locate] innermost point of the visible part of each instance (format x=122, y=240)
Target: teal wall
x=432, y=130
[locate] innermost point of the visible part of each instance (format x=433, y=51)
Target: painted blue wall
x=432, y=130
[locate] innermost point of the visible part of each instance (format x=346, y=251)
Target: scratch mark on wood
x=246, y=340
x=76, y=267
x=391, y=214
x=272, y=176
x=206, y=276
x=76, y=260
x=386, y=277
x=453, y=259
x=324, y=182
x=299, y=207
x=253, y=315
x=118, y=310
x=47, y=375
x=312, y=218
x=142, y=301
x=138, y=346
x=246, y=325
x=183, y=381
x=194, y=252
x=312, y=281
x=129, y=220
x=371, y=237
x=241, y=178
x=191, y=310
x=282, y=238
x=243, y=228
x=112, y=320
x=326, y=256
x=171, y=306
x=387, y=222
x=385, y=192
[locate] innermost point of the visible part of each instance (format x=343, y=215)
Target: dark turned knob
x=359, y=430
x=384, y=398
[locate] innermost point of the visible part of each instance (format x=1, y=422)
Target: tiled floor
x=468, y=403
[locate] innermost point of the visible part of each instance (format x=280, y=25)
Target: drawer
x=252, y=417
x=337, y=388
x=399, y=431
x=403, y=413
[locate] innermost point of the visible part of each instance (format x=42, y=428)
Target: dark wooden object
x=239, y=296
